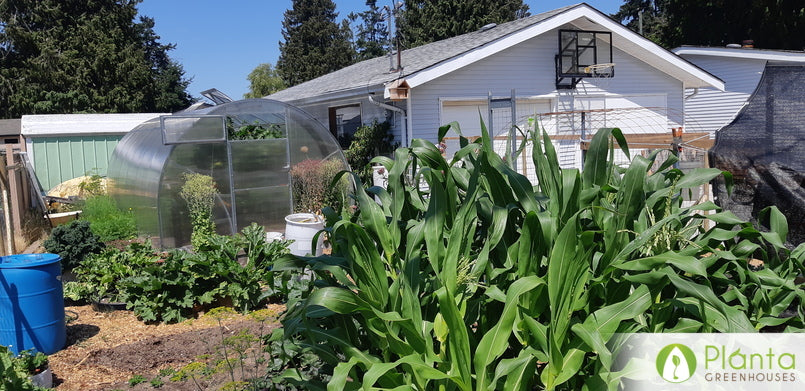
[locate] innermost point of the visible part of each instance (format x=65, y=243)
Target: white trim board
x=748, y=53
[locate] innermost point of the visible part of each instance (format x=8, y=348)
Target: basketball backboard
x=579, y=52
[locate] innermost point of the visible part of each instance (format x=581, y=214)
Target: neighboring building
x=66, y=146
x=709, y=109
x=759, y=126
x=541, y=61
x=10, y=131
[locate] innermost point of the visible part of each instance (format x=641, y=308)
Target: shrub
x=107, y=220
x=369, y=141
x=480, y=280
x=199, y=193
x=311, y=185
x=73, y=242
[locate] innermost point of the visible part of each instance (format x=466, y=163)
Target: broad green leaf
x=686, y=263
x=599, y=327
x=496, y=340
x=698, y=177
x=737, y=321
x=596, y=170
x=458, y=346
x=567, y=272
x=517, y=371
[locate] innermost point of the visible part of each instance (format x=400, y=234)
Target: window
x=344, y=121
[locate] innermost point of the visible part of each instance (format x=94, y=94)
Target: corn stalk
x=468, y=277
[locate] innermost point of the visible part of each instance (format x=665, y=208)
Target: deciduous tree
x=648, y=14
x=264, y=80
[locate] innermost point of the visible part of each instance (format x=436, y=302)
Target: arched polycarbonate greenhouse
x=247, y=147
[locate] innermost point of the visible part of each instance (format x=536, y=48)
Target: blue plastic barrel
x=32, y=303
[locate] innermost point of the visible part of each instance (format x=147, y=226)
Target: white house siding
x=369, y=111
x=710, y=109
x=529, y=69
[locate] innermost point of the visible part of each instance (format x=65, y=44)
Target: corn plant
x=466, y=276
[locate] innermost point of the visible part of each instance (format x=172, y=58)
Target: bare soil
x=106, y=349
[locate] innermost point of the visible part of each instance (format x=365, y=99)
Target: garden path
x=106, y=349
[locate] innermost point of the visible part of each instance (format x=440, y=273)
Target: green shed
x=66, y=146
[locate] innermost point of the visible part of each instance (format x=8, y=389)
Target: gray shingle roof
x=374, y=72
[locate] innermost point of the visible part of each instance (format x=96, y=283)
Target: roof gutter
x=403, y=120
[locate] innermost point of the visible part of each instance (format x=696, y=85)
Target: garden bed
x=105, y=350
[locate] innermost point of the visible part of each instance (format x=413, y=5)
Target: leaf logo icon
x=676, y=363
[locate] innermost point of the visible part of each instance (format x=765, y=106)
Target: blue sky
x=220, y=42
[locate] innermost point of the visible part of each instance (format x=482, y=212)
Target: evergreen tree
x=425, y=21
x=671, y=23
x=770, y=24
x=84, y=56
x=264, y=80
x=654, y=20
x=372, y=36
x=314, y=43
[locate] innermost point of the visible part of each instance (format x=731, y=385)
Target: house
x=558, y=64
x=67, y=146
x=741, y=68
x=759, y=126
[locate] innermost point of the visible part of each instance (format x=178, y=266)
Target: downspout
x=695, y=92
x=403, y=119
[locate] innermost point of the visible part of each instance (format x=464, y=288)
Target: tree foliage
x=84, y=56
x=425, y=21
x=313, y=43
x=671, y=23
x=372, y=35
x=264, y=80
x=653, y=17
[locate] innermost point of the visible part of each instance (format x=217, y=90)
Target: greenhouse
x=248, y=148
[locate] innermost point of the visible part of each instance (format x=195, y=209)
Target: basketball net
x=602, y=73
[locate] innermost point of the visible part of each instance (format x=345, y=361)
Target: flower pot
x=301, y=228
x=43, y=379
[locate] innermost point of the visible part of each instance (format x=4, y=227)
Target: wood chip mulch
x=107, y=348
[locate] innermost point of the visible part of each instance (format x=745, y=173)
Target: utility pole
x=394, y=36
x=640, y=21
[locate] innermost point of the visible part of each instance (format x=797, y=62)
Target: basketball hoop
x=603, y=70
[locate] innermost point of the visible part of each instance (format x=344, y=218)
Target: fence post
x=14, y=184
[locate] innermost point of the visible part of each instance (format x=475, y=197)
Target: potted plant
x=26, y=371
x=311, y=181
x=35, y=364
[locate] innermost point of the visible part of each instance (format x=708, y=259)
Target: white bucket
x=301, y=228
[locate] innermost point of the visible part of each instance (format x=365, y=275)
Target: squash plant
x=465, y=276
x=175, y=287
